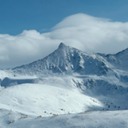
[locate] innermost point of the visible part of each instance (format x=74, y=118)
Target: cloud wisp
x=88, y=33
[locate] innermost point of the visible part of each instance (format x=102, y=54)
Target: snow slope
x=46, y=99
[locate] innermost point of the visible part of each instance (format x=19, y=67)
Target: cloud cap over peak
x=92, y=33
x=79, y=19
x=80, y=30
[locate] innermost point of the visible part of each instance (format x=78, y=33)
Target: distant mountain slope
x=118, y=60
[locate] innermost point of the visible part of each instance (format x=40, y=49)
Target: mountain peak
x=62, y=45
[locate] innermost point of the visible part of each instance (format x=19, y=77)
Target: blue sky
x=42, y=15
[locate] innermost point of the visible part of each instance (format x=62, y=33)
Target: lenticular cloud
x=88, y=33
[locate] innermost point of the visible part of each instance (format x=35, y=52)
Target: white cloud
x=93, y=34
x=82, y=31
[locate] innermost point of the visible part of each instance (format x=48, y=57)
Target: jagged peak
x=62, y=45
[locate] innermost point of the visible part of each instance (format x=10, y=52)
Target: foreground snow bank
x=117, y=119
x=99, y=119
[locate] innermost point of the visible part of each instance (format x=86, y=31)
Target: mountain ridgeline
x=70, y=60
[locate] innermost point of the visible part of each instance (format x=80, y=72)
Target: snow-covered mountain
x=67, y=60
x=65, y=82
x=70, y=60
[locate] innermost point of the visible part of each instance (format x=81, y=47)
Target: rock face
x=67, y=60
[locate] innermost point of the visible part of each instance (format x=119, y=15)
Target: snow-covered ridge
x=67, y=60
